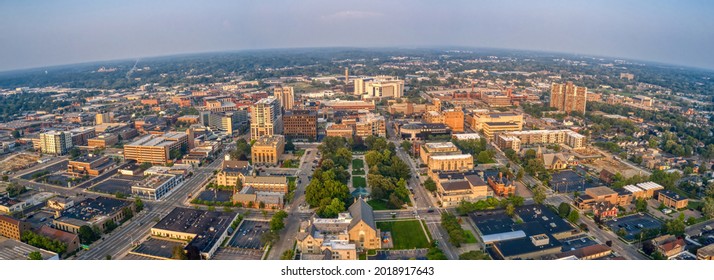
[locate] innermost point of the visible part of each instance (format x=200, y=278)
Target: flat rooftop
x=550, y=221
x=153, y=181
x=440, y=145
x=94, y=207
x=208, y=226
x=451, y=157
x=600, y=191
x=650, y=186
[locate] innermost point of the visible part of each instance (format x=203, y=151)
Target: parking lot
x=230, y=253
x=633, y=225
x=568, y=181
x=215, y=195
x=247, y=236
x=113, y=186
x=62, y=165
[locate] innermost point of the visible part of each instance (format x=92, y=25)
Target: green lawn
x=406, y=234
x=358, y=172
x=357, y=164
x=378, y=204
x=469, y=237
x=359, y=182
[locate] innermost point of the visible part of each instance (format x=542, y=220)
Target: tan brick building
x=267, y=150
x=12, y=228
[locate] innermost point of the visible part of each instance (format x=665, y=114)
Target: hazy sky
x=39, y=33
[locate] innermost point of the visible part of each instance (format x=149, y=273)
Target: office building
x=423, y=131
x=672, y=200
x=477, y=120
x=379, y=87
x=12, y=228
x=265, y=118
x=267, y=150
x=285, y=96
x=300, y=124
x=156, y=149
x=340, y=130
x=154, y=187
x=88, y=165
x=568, y=97
x=55, y=142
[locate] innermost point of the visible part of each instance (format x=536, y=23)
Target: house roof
x=456, y=185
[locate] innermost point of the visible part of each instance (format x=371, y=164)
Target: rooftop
x=153, y=181
x=456, y=185
x=650, y=186
x=92, y=208
x=208, y=226
x=15, y=250
x=600, y=191
x=672, y=195
x=632, y=189
x=451, y=157
x=440, y=145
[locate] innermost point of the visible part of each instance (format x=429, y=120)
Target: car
x=431, y=210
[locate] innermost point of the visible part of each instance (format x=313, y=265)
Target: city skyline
x=40, y=34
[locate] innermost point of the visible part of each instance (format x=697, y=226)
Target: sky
x=37, y=33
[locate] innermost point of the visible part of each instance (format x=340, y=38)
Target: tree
x=287, y=255
x=406, y=145
x=574, y=216
x=474, y=255
x=520, y=174
x=34, y=256
x=277, y=222
x=708, y=208
x=332, y=209
x=539, y=195
x=87, y=235
x=178, y=253
x=430, y=185
x=563, y=210
x=641, y=205
x=675, y=226
x=510, y=209
x=453, y=228
x=290, y=146
x=138, y=205
x=484, y=157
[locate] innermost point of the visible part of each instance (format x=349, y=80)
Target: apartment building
x=265, y=118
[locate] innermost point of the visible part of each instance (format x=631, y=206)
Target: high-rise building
x=265, y=118
x=300, y=124
x=55, y=142
x=286, y=96
x=225, y=121
x=568, y=97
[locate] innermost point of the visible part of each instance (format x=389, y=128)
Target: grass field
x=378, y=204
x=406, y=234
x=357, y=164
x=359, y=182
x=469, y=237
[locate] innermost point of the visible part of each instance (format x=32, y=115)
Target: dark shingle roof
x=361, y=211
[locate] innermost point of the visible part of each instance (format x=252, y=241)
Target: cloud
x=351, y=15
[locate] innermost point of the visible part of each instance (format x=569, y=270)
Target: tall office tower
x=265, y=118
x=285, y=96
x=568, y=97
x=55, y=142
x=359, y=86
x=347, y=75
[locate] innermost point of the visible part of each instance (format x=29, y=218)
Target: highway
x=120, y=240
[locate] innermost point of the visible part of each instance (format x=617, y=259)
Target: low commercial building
x=592, y=252
x=595, y=195
x=9, y=205
x=15, y=250
x=12, y=228
x=672, y=200
x=419, y=131
x=249, y=197
x=267, y=149
x=92, y=212
x=88, y=165
x=204, y=230
x=154, y=187
x=103, y=140
x=490, y=129
x=478, y=120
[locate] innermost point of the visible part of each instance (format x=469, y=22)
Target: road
x=296, y=212
x=120, y=240
x=423, y=200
